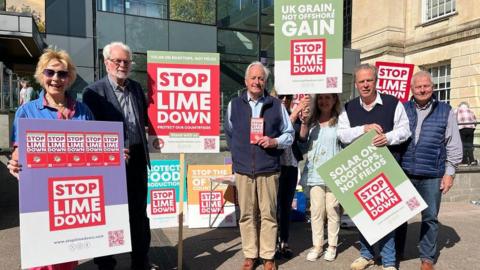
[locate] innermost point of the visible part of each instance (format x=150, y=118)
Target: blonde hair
x=60, y=55
x=337, y=108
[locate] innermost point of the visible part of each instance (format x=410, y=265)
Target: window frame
x=426, y=10
x=438, y=79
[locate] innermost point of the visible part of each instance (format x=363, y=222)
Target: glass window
x=434, y=9
x=236, y=42
x=266, y=19
x=268, y=47
x=441, y=82
x=29, y=7
x=147, y=8
x=238, y=14
x=2, y=5
x=110, y=5
x=197, y=11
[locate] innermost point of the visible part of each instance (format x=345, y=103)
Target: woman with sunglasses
x=319, y=129
x=55, y=72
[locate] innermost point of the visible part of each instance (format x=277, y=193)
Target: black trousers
x=286, y=191
x=137, y=209
x=466, y=134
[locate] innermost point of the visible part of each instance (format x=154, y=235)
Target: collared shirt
x=288, y=133
x=130, y=124
x=399, y=133
x=453, y=142
x=39, y=109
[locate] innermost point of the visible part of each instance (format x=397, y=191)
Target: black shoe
x=283, y=251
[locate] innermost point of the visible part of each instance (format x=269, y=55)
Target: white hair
x=108, y=48
x=257, y=63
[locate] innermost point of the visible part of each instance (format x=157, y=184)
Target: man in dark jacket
x=118, y=98
x=431, y=156
x=257, y=128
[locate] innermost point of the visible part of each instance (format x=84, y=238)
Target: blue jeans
x=429, y=189
x=386, y=246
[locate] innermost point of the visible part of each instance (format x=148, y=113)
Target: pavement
x=220, y=248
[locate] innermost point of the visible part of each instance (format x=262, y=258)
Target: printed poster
x=308, y=46
x=372, y=188
x=184, y=110
x=164, y=194
x=73, y=195
x=210, y=204
x=394, y=79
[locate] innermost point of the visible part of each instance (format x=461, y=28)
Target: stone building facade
x=441, y=36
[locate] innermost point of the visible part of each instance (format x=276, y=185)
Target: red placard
x=163, y=201
x=57, y=149
x=37, y=155
x=211, y=202
x=183, y=98
x=76, y=202
x=394, y=79
x=111, y=149
x=94, y=149
x=377, y=196
x=307, y=56
x=76, y=149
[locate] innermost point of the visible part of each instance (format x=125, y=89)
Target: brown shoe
x=427, y=266
x=248, y=264
x=269, y=265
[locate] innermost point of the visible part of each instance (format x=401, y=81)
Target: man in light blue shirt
x=257, y=129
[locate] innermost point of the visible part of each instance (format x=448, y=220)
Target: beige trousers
x=257, y=198
x=324, y=204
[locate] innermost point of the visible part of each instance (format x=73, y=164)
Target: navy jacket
x=252, y=159
x=427, y=157
x=104, y=105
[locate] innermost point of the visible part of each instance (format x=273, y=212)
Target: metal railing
x=9, y=89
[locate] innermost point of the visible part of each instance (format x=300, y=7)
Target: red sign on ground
x=162, y=201
x=211, y=202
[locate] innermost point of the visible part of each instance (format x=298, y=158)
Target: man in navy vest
x=430, y=157
x=386, y=115
x=257, y=128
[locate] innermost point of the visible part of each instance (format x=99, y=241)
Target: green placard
x=308, y=46
x=371, y=187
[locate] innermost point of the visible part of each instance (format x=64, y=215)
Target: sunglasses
x=62, y=74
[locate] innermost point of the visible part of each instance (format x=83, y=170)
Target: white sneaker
x=361, y=263
x=313, y=254
x=389, y=268
x=330, y=254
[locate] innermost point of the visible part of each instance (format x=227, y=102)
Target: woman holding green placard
x=319, y=129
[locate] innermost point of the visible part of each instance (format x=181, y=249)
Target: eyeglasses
x=118, y=62
x=62, y=74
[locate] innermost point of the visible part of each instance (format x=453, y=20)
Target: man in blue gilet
x=257, y=129
x=430, y=158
